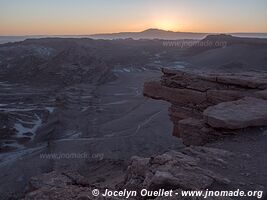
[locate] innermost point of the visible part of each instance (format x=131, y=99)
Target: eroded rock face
x=176, y=95
x=195, y=132
x=192, y=93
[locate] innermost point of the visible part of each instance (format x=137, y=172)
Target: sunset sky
x=82, y=17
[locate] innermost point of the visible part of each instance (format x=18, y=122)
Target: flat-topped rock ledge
x=203, y=104
x=237, y=114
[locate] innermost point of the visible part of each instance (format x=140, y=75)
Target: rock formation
x=251, y=112
x=177, y=170
x=190, y=169
x=204, y=103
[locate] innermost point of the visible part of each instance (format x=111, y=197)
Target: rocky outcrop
x=203, y=103
x=177, y=170
x=190, y=169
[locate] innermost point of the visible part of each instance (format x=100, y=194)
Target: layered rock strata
x=203, y=103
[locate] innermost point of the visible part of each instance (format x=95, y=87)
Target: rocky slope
x=193, y=168
x=228, y=53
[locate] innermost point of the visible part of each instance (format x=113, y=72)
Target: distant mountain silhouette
x=151, y=34
x=146, y=34
x=167, y=35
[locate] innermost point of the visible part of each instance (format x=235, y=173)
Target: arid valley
x=62, y=98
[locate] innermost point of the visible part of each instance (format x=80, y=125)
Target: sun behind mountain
x=166, y=24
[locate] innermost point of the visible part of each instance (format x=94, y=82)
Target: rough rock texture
x=60, y=186
x=237, y=114
x=192, y=93
x=190, y=169
x=177, y=170
x=195, y=132
x=262, y=94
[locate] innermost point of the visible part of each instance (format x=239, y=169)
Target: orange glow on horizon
x=84, y=29
x=85, y=17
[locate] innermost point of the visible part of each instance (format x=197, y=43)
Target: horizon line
x=106, y=33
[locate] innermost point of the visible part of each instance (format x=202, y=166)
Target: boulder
x=237, y=114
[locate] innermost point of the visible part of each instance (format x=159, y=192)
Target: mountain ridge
x=154, y=33
x=151, y=33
